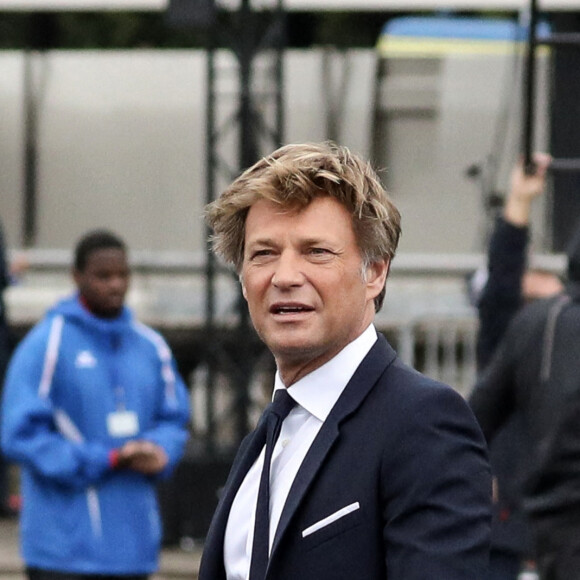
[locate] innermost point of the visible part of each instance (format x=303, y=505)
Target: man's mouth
x=290, y=308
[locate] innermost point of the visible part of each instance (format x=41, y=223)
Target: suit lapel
x=367, y=374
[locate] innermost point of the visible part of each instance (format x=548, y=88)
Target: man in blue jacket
x=95, y=412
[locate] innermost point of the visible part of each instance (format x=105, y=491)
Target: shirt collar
x=319, y=390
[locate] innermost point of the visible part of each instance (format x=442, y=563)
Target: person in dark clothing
x=534, y=375
x=509, y=284
x=5, y=350
x=4, y=330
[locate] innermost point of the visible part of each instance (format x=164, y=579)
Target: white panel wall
x=122, y=140
x=436, y=117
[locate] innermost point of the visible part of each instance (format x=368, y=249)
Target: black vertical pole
x=529, y=83
x=210, y=260
x=41, y=37
x=564, y=135
x=237, y=356
x=279, y=76
x=247, y=155
x=246, y=46
x=30, y=153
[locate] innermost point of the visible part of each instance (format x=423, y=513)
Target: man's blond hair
x=292, y=177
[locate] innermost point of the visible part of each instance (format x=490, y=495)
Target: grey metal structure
x=556, y=40
x=255, y=123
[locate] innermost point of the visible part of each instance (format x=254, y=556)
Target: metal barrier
x=442, y=348
x=427, y=318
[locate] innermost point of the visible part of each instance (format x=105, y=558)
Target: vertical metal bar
x=529, y=83
x=432, y=341
x=449, y=370
x=210, y=261
x=246, y=156
x=468, y=357
x=241, y=351
x=406, y=340
x=40, y=39
x=30, y=153
x=247, y=42
x=279, y=72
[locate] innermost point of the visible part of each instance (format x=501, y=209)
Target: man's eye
x=319, y=251
x=261, y=253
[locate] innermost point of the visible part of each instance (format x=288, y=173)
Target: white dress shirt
x=315, y=395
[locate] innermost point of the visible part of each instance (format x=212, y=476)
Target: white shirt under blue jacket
x=78, y=387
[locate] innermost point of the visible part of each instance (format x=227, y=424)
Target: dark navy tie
x=276, y=414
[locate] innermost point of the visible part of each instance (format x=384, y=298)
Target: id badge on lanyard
x=122, y=423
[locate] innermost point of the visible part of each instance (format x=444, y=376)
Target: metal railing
x=426, y=317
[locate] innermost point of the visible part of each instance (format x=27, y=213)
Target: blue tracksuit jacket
x=67, y=378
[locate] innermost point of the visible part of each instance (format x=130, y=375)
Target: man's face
x=302, y=276
x=104, y=281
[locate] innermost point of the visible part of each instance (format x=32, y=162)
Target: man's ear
x=376, y=277
x=244, y=294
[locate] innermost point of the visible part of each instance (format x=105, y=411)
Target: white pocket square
x=331, y=518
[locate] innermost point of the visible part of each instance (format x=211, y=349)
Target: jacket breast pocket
x=332, y=525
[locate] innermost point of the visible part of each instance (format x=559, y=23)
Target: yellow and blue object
x=437, y=36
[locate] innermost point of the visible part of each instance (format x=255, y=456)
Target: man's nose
x=118, y=283
x=288, y=271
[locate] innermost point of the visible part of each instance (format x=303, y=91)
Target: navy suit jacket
x=405, y=456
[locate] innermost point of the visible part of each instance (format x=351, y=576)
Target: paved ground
x=176, y=563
